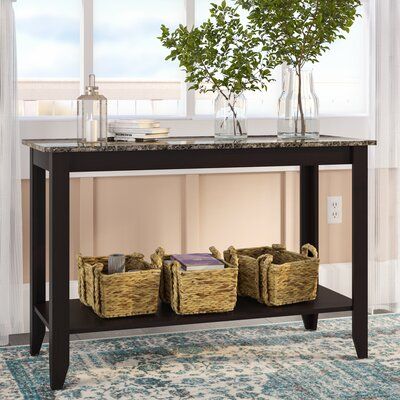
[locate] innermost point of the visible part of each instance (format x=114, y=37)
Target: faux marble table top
x=192, y=143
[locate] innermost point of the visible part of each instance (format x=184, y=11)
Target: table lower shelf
x=83, y=319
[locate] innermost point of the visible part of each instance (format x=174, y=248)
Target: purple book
x=198, y=262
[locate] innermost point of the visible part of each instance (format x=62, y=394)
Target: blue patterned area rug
x=278, y=361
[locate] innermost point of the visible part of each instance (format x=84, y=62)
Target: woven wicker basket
x=198, y=292
x=275, y=276
x=122, y=294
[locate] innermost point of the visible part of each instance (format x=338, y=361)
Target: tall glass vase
x=298, y=106
x=230, y=116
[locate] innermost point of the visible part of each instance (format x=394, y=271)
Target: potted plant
x=300, y=31
x=222, y=55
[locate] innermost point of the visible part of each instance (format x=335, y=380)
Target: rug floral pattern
x=277, y=361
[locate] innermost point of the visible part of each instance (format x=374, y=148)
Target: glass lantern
x=92, y=114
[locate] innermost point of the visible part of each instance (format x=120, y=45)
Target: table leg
x=37, y=253
x=59, y=270
x=360, y=250
x=309, y=206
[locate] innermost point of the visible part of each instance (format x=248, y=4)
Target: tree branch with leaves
x=221, y=55
x=300, y=31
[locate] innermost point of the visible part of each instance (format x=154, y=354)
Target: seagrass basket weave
x=198, y=292
x=275, y=276
x=134, y=292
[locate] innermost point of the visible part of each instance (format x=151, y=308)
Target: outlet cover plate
x=334, y=210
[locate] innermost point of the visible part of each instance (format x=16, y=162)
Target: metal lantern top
x=92, y=91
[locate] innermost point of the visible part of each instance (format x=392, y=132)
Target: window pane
x=202, y=10
x=48, y=55
x=258, y=103
x=130, y=61
x=341, y=76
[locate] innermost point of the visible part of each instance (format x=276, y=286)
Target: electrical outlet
x=334, y=210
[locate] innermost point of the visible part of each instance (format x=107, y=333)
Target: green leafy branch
x=300, y=31
x=221, y=55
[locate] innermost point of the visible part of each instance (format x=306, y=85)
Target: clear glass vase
x=298, y=106
x=230, y=116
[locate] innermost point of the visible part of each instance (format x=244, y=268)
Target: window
x=128, y=61
x=341, y=76
x=48, y=56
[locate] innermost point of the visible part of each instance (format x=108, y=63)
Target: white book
x=138, y=131
x=118, y=138
x=136, y=135
x=132, y=123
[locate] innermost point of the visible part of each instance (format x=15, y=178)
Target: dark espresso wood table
x=63, y=316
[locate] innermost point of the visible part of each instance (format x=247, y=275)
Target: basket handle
x=215, y=253
x=279, y=247
x=97, y=268
x=233, y=257
x=309, y=248
x=136, y=255
x=265, y=260
x=157, y=257
x=160, y=251
x=176, y=267
x=97, y=271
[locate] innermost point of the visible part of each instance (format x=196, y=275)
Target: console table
x=63, y=316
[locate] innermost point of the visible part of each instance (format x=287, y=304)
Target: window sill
x=175, y=118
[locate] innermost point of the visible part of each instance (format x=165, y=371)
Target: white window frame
x=86, y=38
x=87, y=46
x=187, y=95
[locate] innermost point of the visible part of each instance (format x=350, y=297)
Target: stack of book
x=134, y=129
x=198, y=262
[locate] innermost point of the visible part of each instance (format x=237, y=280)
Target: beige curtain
x=385, y=159
x=10, y=183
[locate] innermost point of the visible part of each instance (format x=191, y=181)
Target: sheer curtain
x=10, y=183
x=385, y=159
